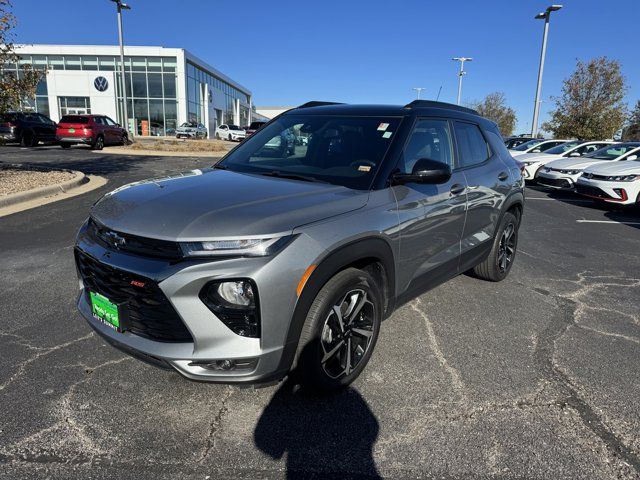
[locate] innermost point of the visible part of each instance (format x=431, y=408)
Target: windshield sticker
x=364, y=168
x=382, y=127
x=386, y=134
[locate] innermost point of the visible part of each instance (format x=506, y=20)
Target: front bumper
x=211, y=340
x=624, y=193
x=557, y=180
x=529, y=171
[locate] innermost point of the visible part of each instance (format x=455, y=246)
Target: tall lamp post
x=418, y=91
x=461, y=73
x=123, y=6
x=546, y=15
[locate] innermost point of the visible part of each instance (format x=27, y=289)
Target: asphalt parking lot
x=535, y=377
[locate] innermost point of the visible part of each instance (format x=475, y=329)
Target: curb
x=160, y=153
x=41, y=192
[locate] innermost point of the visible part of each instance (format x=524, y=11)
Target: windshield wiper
x=219, y=166
x=292, y=176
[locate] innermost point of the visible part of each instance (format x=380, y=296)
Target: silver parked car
x=191, y=130
x=271, y=259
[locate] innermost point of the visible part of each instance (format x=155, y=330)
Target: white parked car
x=535, y=146
x=191, y=130
x=617, y=182
x=563, y=174
x=533, y=162
x=230, y=132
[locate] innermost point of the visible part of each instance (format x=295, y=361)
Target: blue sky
x=362, y=51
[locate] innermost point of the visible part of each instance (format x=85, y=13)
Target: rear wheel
x=99, y=143
x=497, y=265
x=125, y=139
x=340, y=331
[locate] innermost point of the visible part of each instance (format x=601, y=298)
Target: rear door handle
x=502, y=176
x=457, y=189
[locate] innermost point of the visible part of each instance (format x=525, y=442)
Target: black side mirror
x=425, y=171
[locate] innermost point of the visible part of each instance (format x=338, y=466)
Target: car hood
x=615, y=168
x=574, y=163
x=537, y=157
x=204, y=204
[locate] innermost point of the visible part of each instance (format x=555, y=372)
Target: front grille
x=554, y=182
x=591, y=191
x=145, y=309
x=143, y=246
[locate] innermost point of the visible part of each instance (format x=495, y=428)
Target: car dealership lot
x=534, y=377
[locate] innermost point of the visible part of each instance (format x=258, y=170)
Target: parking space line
x=608, y=221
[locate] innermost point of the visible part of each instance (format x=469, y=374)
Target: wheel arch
x=372, y=254
x=514, y=203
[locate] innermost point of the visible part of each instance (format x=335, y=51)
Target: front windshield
x=562, y=148
x=341, y=150
x=187, y=124
x=527, y=145
x=234, y=127
x=612, y=152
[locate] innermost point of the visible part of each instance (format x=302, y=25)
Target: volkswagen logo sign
x=101, y=84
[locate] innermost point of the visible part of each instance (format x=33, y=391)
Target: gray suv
x=273, y=261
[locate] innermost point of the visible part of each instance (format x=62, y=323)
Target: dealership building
x=165, y=87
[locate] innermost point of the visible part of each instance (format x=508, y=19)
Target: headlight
x=570, y=172
x=248, y=247
x=624, y=178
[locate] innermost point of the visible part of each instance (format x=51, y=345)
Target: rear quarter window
x=472, y=147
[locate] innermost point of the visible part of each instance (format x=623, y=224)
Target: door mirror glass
x=425, y=171
x=536, y=150
x=632, y=157
x=575, y=154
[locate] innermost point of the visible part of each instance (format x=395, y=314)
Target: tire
x=497, y=265
x=229, y=137
x=65, y=145
x=28, y=139
x=332, y=352
x=125, y=139
x=98, y=144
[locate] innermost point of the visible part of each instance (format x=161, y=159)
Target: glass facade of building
x=196, y=103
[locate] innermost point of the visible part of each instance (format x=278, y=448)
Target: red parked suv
x=94, y=130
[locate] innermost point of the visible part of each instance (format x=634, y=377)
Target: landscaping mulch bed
x=14, y=180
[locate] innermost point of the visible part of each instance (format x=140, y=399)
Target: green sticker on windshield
x=386, y=135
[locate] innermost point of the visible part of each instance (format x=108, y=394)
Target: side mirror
x=632, y=157
x=575, y=154
x=425, y=171
x=536, y=150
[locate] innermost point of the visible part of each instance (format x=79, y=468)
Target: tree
x=493, y=107
x=591, y=106
x=15, y=87
x=634, y=116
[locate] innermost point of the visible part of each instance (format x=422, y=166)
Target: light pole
x=461, y=73
x=536, y=106
x=123, y=6
x=418, y=91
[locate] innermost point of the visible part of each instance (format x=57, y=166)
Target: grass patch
x=175, y=145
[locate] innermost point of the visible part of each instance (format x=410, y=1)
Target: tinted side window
x=472, y=146
x=430, y=139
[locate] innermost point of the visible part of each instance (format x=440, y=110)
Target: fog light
x=235, y=303
x=226, y=364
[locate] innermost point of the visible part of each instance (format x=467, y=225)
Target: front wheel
x=497, y=265
x=340, y=331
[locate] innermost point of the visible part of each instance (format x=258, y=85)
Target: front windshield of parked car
x=529, y=144
x=187, y=124
x=234, y=127
x=563, y=147
x=342, y=150
x=613, y=151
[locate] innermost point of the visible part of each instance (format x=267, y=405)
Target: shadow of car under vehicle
x=328, y=436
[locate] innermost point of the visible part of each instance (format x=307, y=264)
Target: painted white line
x=608, y=221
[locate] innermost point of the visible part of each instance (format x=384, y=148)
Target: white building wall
x=71, y=83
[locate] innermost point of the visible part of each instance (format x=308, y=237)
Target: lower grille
x=554, y=182
x=146, y=311
x=592, y=191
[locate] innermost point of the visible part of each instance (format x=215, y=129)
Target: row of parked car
x=230, y=132
x=604, y=170
x=30, y=128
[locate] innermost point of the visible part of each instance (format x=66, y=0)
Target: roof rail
x=316, y=103
x=434, y=104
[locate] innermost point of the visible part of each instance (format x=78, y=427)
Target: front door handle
x=457, y=189
x=502, y=176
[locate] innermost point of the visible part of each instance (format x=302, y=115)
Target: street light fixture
x=546, y=15
x=123, y=6
x=461, y=73
x=418, y=91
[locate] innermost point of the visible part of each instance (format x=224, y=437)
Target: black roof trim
x=316, y=103
x=434, y=104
